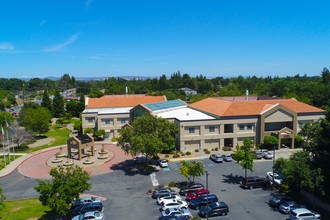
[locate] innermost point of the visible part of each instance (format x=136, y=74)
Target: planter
x=60, y=155
x=88, y=161
x=57, y=160
x=68, y=163
x=103, y=152
x=103, y=156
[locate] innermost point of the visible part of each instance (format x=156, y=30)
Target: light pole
x=273, y=166
x=207, y=192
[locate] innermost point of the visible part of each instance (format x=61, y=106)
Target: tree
x=89, y=131
x=74, y=108
x=192, y=169
x=270, y=142
x=2, y=199
x=148, y=135
x=77, y=125
x=66, y=184
x=46, y=101
x=244, y=156
x=37, y=120
x=21, y=135
x=58, y=103
x=100, y=133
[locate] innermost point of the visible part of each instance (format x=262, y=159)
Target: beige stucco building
x=217, y=122
x=111, y=112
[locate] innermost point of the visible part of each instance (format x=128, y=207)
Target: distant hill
x=54, y=78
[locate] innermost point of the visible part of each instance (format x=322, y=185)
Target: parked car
x=173, y=218
x=185, y=190
x=287, y=206
x=166, y=197
x=259, y=154
x=217, y=158
x=176, y=212
x=84, y=200
x=163, y=163
x=277, y=178
x=268, y=155
x=162, y=191
x=303, y=213
x=214, y=209
x=88, y=207
x=254, y=182
x=90, y=215
x=175, y=204
x=196, y=194
x=184, y=184
x=202, y=201
x=227, y=157
x=277, y=200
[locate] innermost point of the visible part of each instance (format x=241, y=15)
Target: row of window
x=228, y=128
x=108, y=121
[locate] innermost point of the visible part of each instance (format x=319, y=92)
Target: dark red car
x=196, y=194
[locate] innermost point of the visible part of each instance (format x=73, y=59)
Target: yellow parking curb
x=181, y=159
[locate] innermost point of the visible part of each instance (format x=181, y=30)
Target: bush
x=182, y=154
x=188, y=153
x=226, y=148
x=114, y=139
x=171, y=152
x=176, y=155
x=156, y=157
x=166, y=155
x=216, y=149
x=196, y=150
x=212, y=149
x=172, y=184
x=207, y=151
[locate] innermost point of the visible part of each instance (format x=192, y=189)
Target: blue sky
x=96, y=38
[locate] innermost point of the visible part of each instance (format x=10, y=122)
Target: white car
x=175, y=204
x=227, y=157
x=163, y=163
x=171, y=197
x=90, y=215
x=176, y=212
x=277, y=178
x=268, y=155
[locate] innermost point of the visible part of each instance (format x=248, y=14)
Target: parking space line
x=154, y=179
x=166, y=169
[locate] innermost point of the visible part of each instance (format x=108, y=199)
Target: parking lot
x=128, y=198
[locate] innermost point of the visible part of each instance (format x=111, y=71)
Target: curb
x=187, y=158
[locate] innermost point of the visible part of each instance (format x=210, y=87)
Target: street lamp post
x=207, y=191
x=273, y=166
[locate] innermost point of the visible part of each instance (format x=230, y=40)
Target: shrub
x=149, y=191
x=171, y=152
x=196, y=150
x=166, y=155
x=114, y=139
x=226, y=148
x=212, y=149
x=182, y=154
x=155, y=157
x=188, y=153
x=176, y=155
x=207, y=151
x=172, y=184
x=216, y=149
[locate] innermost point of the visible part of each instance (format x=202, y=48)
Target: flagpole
x=3, y=147
x=12, y=139
x=8, y=145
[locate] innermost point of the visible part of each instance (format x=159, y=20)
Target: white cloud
x=6, y=46
x=57, y=47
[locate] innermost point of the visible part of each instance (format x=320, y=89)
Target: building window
x=211, y=129
x=229, y=128
x=122, y=121
x=191, y=130
x=249, y=127
x=241, y=127
x=90, y=120
x=107, y=121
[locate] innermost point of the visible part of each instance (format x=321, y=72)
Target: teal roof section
x=165, y=105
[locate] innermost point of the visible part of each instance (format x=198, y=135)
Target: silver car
x=287, y=206
x=217, y=158
x=303, y=214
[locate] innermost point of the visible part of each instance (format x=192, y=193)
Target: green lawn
x=59, y=135
x=2, y=162
x=23, y=209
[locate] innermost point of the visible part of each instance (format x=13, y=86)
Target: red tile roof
x=222, y=107
x=109, y=101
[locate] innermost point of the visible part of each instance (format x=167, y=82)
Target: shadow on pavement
x=232, y=179
x=132, y=167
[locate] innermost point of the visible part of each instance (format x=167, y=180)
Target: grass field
x=2, y=161
x=23, y=209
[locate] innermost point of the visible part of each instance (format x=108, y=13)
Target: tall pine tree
x=46, y=101
x=58, y=103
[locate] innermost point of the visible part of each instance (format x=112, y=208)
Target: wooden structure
x=80, y=145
